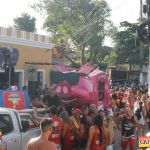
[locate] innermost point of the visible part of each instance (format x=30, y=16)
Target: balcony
x=10, y=35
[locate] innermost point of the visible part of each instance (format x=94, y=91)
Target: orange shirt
x=95, y=144
x=55, y=137
x=69, y=137
x=148, y=104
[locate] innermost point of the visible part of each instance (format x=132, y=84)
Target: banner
x=144, y=141
x=14, y=99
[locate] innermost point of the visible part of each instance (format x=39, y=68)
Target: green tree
x=127, y=45
x=25, y=22
x=84, y=23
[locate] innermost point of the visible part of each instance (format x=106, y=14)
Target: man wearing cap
x=42, y=142
x=78, y=128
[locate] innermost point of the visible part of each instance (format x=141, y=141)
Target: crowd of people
x=91, y=127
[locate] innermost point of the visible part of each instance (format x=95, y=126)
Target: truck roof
x=6, y=109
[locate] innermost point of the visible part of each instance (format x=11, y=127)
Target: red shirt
x=95, y=144
x=69, y=137
x=56, y=130
x=149, y=104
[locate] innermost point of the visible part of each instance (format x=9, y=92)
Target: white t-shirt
x=110, y=112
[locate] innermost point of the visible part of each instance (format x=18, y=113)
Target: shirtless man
x=41, y=142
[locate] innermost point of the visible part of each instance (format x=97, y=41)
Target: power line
x=83, y=27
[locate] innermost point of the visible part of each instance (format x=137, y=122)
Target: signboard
x=144, y=141
x=118, y=75
x=32, y=73
x=14, y=99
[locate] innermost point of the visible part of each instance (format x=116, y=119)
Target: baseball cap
x=76, y=111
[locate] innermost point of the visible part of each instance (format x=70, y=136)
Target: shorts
x=131, y=141
x=58, y=146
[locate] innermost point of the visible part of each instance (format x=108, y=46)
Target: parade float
x=83, y=86
x=76, y=87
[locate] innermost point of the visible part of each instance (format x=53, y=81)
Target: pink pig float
x=81, y=87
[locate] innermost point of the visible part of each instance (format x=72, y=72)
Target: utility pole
x=148, y=13
x=144, y=34
x=146, y=10
x=141, y=9
x=141, y=46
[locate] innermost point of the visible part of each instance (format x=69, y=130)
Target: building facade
x=34, y=52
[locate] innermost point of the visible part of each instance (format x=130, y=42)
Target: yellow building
x=32, y=48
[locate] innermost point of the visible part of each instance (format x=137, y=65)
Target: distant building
x=124, y=72
x=32, y=48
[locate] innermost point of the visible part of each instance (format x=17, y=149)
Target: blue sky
x=121, y=10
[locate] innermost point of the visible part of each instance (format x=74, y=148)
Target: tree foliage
x=127, y=45
x=83, y=22
x=25, y=22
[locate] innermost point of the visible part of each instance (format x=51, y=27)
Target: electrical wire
x=83, y=27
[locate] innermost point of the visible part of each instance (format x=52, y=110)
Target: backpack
x=138, y=114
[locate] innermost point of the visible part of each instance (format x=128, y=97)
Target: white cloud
x=124, y=10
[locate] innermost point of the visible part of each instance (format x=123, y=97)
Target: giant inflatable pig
x=84, y=86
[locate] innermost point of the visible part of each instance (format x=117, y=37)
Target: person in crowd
x=86, y=120
x=24, y=88
x=148, y=113
x=110, y=133
x=51, y=99
x=144, y=99
x=45, y=91
x=57, y=125
x=131, y=98
x=120, y=93
x=97, y=136
x=137, y=100
x=68, y=136
x=141, y=120
x=102, y=112
x=42, y=142
x=92, y=111
x=78, y=128
x=38, y=92
x=124, y=99
x=14, y=87
x=148, y=117
x=128, y=121
x=115, y=101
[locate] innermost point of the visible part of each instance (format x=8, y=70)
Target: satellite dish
x=8, y=56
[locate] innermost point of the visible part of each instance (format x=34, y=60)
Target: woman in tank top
x=67, y=132
x=96, y=135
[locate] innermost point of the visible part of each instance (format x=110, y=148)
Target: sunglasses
x=72, y=78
